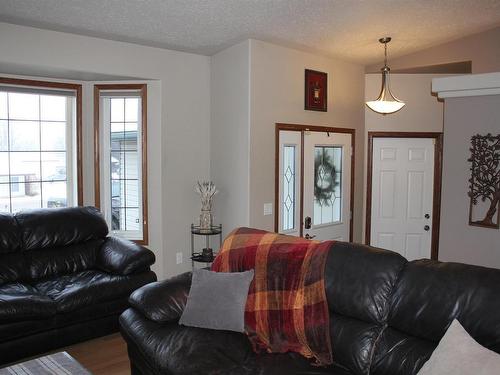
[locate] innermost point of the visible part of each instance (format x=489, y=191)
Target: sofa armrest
x=123, y=257
x=163, y=301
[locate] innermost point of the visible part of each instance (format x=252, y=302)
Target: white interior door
x=327, y=185
x=402, y=195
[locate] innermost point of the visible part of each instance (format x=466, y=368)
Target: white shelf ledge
x=468, y=85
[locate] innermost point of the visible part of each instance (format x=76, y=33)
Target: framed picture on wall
x=315, y=93
x=484, y=183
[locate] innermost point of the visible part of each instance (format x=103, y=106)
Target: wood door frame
x=313, y=128
x=436, y=197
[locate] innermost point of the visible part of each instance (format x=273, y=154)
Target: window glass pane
x=3, y=105
x=53, y=166
x=4, y=198
x=26, y=164
x=117, y=110
x=327, y=184
x=52, y=108
x=131, y=109
x=117, y=129
x=132, y=221
x=54, y=194
x=24, y=106
x=117, y=165
x=288, y=203
x=25, y=195
x=24, y=135
x=53, y=136
x=132, y=193
x=4, y=167
x=4, y=135
x=123, y=127
x=33, y=148
x=131, y=165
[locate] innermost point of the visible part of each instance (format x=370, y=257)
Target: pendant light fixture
x=386, y=102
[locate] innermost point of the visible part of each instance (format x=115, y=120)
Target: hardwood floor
x=103, y=356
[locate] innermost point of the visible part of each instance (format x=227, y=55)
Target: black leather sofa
x=387, y=316
x=62, y=280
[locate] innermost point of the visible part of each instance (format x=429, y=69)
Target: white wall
x=178, y=118
x=277, y=95
x=229, y=134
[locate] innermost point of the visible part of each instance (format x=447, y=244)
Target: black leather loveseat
x=387, y=316
x=62, y=280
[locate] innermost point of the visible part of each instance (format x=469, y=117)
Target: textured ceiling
x=348, y=29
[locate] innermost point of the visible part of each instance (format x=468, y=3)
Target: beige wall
x=230, y=134
x=460, y=242
x=422, y=112
x=178, y=111
x=277, y=95
x=482, y=49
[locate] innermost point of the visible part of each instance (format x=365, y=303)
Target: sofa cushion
x=23, y=302
x=359, y=282
x=47, y=263
x=175, y=349
x=14, y=267
x=48, y=228
x=428, y=296
x=74, y=291
x=10, y=239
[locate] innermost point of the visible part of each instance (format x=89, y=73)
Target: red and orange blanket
x=286, y=309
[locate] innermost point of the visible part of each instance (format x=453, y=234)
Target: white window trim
x=105, y=173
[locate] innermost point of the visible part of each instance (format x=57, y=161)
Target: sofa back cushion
x=428, y=296
x=55, y=261
x=53, y=228
x=10, y=240
x=359, y=285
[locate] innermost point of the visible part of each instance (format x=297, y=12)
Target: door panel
x=327, y=185
x=325, y=200
x=402, y=195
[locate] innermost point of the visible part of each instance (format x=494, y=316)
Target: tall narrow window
x=327, y=184
x=40, y=144
x=289, y=182
x=121, y=179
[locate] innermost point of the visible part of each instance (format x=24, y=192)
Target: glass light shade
x=386, y=102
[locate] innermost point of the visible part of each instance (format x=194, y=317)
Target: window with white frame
x=38, y=145
x=122, y=144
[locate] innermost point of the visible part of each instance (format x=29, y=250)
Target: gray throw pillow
x=217, y=300
x=459, y=354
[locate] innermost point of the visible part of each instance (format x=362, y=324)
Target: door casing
x=436, y=196
x=303, y=128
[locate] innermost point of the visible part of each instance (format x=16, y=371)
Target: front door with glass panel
x=319, y=177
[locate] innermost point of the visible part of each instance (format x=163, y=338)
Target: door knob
x=426, y=228
x=307, y=222
x=309, y=237
x=427, y=216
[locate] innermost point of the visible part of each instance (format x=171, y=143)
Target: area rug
x=55, y=364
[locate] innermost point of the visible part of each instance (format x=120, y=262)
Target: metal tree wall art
x=484, y=185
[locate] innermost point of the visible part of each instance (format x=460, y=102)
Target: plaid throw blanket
x=286, y=309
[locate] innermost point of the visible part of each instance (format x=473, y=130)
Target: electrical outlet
x=178, y=258
x=268, y=209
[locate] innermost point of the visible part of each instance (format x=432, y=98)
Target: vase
x=205, y=220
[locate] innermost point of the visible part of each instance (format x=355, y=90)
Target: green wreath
x=324, y=185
